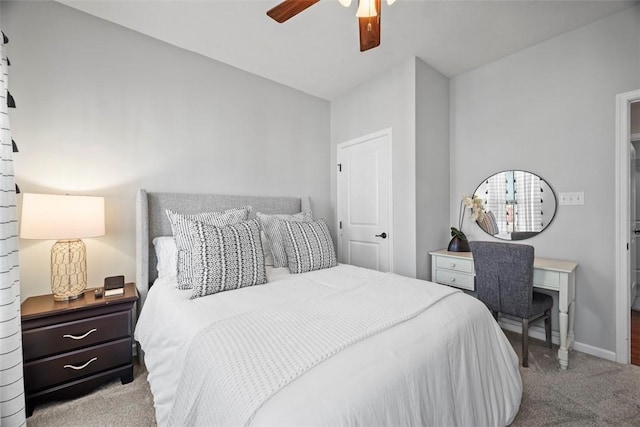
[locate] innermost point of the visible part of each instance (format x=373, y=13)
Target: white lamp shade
x=49, y=216
x=366, y=9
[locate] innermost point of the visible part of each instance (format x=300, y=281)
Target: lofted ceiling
x=317, y=51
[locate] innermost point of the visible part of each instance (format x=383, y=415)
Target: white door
x=364, y=194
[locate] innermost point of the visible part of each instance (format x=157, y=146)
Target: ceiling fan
x=368, y=17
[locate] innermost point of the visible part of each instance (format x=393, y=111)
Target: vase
x=458, y=245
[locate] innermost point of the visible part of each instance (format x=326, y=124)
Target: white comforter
x=451, y=365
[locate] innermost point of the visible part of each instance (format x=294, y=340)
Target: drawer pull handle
x=73, y=337
x=453, y=264
x=77, y=368
x=453, y=279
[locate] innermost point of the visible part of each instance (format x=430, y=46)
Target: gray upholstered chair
x=504, y=282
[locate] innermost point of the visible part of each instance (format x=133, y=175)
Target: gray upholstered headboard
x=152, y=221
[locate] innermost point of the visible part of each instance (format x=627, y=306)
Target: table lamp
x=66, y=219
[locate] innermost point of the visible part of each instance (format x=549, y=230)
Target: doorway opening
x=625, y=253
x=634, y=253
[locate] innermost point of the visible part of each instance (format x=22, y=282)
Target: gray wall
x=432, y=165
x=550, y=109
x=103, y=110
x=413, y=100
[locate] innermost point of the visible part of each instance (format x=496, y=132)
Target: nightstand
x=70, y=348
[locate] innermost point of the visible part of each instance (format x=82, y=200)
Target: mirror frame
x=493, y=225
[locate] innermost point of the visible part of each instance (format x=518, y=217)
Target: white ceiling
x=317, y=51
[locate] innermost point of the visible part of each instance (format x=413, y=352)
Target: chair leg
x=525, y=343
x=547, y=328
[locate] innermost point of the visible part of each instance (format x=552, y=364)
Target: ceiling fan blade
x=370, y=30
x=289, y=8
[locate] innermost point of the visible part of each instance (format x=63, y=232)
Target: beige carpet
x=593, y=392
x=113, y=404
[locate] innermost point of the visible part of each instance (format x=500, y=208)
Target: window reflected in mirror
x=517, y=205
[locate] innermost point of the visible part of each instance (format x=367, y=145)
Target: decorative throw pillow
x=166, y=255
x=492, y=224
x=488, y=223
x=308, y=245
x=226, y=258
x=484, y=223
x=268, y=255
x=271, y=227
x=184, y=240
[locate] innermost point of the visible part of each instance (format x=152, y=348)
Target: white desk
x=456, y=269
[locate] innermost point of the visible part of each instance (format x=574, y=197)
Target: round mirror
x=517, y=205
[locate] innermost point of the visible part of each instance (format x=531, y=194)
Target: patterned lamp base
x=68, y=269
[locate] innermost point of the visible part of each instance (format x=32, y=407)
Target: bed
x=336, y=346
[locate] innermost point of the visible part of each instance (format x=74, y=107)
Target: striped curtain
x=494, y=199
x=12, y=402
x=529, y=202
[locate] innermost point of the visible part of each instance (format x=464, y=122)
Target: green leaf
x=457, y=233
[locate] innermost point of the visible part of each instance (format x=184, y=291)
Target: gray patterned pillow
x=184, y=240
x=488, y=223
x=493, y=224
x=271, y=227
x=226, y=258
x=308, y=245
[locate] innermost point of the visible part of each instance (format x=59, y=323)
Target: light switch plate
x=573, y=198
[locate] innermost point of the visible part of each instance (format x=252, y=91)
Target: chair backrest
x=504, y=276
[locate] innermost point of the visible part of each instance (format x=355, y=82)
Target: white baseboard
x=537, y=332
x=595, y=351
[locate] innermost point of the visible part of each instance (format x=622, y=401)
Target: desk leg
x=572, y=316
x=563, y=352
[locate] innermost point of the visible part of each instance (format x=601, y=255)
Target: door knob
x=383, y=235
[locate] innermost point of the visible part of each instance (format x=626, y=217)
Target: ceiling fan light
x=367, y=9
x=345, y=3
x=390, y=2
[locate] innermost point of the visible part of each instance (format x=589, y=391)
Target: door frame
x=384, y=132
x=623, y=223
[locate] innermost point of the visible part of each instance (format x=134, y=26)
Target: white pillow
x=167, y=256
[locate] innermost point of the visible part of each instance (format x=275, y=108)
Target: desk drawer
x=452, y=278
x=68, y=336
x=546, y=279
x=66, y=367
x=456, y=264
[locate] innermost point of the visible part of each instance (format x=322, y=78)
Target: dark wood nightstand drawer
x=63, y=337
x=66, y=367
